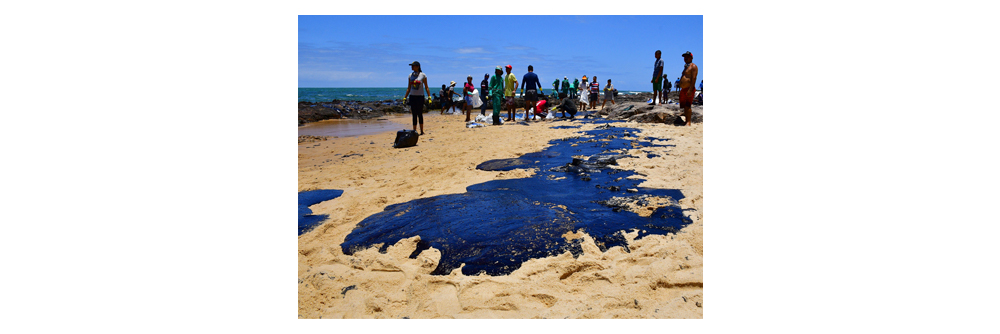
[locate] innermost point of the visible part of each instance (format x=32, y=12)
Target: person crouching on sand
x=416, y=86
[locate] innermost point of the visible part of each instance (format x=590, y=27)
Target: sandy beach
x=658, y=276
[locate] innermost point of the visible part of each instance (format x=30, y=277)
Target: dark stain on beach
x=495, y=226
x=307, y=220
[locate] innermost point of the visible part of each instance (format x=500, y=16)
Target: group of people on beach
x=685, y=83
x=500, y=89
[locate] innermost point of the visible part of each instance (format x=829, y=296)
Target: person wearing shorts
x=509, y=86
x=529, y=83
x=609, y=94
x=416, y=86
x=657, y=78
x=688, y=78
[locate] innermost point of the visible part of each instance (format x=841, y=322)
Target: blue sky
x=373, y=51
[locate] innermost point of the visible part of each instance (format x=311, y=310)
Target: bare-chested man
x=688, y=78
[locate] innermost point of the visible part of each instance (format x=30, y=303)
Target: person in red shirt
x=467, y=95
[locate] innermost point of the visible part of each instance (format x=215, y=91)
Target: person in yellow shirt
x=510, y=85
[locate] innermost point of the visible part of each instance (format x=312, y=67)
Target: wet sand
x=659, y=277
x=351, y=127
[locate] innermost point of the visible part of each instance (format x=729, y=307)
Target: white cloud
x=335, y=75
x=471, y=50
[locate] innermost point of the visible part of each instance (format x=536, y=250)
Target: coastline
x=659, y=276
x=310, y=112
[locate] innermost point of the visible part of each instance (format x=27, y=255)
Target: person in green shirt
x=573, y=88
x=565, y=88
x=496, y=94
x=555, y=89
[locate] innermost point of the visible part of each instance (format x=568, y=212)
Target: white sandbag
x=476, y=101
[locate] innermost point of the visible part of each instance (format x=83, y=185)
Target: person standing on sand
x=446, y=101
x=496, y=94
x=687, y=85
x=677, y=84
x=555, y=89
x=666, y=88
x=657, y=73
x=467, y=95
x=573, y=87
x=609, y=94
x=441, y=100
x=528, y=84
x=416, y=86
x=484, y=92
x=510, y=85
x=595, y=91
x=565, y=88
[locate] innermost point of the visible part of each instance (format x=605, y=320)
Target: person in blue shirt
x=528, y=84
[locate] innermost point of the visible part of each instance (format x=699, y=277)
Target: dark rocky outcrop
x=644, y=113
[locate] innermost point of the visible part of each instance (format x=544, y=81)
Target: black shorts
x=593, y=97
x=530, y=95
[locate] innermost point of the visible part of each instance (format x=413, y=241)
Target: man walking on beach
x=416, y=86
x=496, y=94
x=510, y=85
x=688, y=78
x=528, y=84
x=657, y=76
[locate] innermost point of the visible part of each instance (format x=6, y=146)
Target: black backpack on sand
x=406, y=138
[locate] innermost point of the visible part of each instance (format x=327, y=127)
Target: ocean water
x=372, y=94
x=350, y=94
